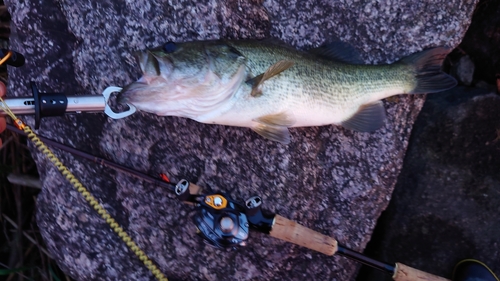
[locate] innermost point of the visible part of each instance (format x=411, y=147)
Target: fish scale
x=269, y=86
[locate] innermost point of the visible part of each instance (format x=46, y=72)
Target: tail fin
x=430, y=78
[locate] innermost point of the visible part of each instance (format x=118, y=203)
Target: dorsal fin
x=338, y=51
x=272, y=71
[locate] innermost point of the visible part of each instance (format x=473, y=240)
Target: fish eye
x=169, y=47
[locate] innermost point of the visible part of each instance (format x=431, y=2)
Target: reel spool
x=222, y=223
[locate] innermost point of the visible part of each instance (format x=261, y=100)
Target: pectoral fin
x=274, y=127
x=368, y=118
x=275, y=133
x=281, y=119
x=272, y=71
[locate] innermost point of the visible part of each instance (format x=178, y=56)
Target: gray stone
x=330, y=179
x=446, y=203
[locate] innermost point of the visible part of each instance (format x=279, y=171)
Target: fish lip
x=124, y=96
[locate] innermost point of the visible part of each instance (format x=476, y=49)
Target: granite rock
x=330, y=179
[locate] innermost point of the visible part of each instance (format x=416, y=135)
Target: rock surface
x=330, y=179
x=445, y=204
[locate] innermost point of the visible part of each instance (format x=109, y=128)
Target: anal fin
x=368, y=118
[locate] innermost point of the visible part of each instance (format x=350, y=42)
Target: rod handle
x=406, y=273
x=293, y=232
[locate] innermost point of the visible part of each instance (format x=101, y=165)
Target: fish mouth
x=128, y=93
x=151, y=69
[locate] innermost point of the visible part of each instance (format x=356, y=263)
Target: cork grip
x=406, y=273
x=293, y=232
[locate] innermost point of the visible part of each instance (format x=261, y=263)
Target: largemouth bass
x=270, y=87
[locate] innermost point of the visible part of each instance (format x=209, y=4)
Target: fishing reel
x=221, y=221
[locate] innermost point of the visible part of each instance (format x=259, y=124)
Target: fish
x=269, y=86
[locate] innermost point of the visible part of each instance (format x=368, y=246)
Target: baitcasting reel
x=221, y=221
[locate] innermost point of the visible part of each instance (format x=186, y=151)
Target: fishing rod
x=164, y=182
x=226, y=223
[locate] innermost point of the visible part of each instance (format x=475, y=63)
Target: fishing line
x=162, y=183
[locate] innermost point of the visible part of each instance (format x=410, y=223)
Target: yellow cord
x=84, y=192
x=6, y=57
